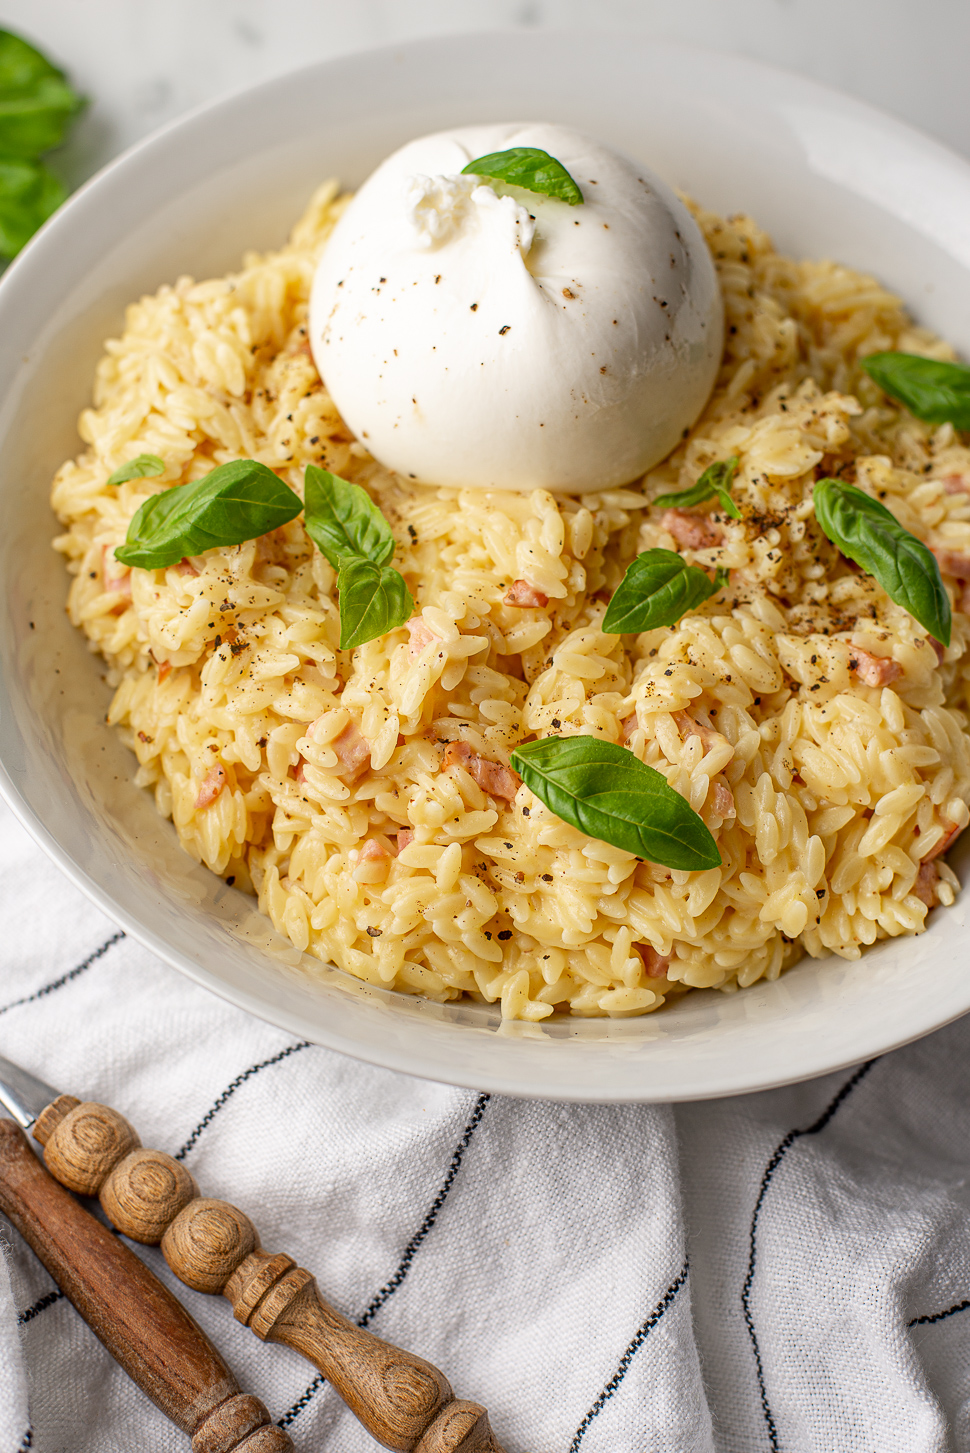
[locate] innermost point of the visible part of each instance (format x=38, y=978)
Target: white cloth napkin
x=536, y=1252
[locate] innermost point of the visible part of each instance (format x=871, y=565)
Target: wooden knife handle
x=402, y=1400
x=142, y=1325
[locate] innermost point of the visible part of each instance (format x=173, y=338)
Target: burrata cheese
x=479, y=335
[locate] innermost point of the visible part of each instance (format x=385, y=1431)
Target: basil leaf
x=343, y=521
x=348, y=528
x=934, y=391
x=36, y=103
x=609, y=794
x=145, y=466
x=373, y=600
x=716, y=480
x=236, y=502
x=528, y=167
x=658, y=588
x=865, y=531
x=29, y=193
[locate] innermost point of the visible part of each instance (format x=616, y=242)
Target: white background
x=143, y=62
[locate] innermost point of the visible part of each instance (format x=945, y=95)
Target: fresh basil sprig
x=236, y=502
x=528, y=167
x=243, y=500
x=658, y=588
x=345, y=524
x=609, y=794
x=343, y=521
x=716, y=480
x=36, y=103
x=36, y=107
x=868, y=533
x=934, y=391
x=373, y=600
x=145, y=466
x=29, y=193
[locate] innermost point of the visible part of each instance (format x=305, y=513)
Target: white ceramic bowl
x=828, y=177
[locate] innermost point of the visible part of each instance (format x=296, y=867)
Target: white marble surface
x=143, y=62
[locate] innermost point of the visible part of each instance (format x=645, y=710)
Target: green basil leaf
x=658, y=588
x=236, y=502
x=29, y=193
x=716, y=480
x=934, y=391
x=868, y=533
x=343, y=521
x=609, y=794
x=373, y=600
x=146, y=466
x=348, y=528
x=695, y=494
x=528, y=167
x=36, y=103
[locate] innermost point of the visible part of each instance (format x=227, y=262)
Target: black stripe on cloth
x=939, y=1316
x=231, y=1089
x=27, y=1441
x=410, y=1251
x=66, y=978
x=404, y=1265
x=302, y=1401
x=47, y=1300
x=623, y=1366
x=766, y=1180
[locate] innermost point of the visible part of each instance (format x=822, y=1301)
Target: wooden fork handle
x=402, y=1400
x=141, y=1324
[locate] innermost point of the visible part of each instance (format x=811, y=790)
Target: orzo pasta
x=366, y=796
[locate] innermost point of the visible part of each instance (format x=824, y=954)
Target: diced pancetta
x=692, y=532
x=116, y=577
x=956, y=484
x=724, y=801
x=654, y=963
x=373, y=861
x=938, y=647
x=353, y=752
x=211, y=785
x=421, y=636
x=628, y=727
x=925, y=886
x=524, y=593
x=492, y=777
x=405, y=836
x=873, y=670
x=953, y=562
x=688, y=727
x=946, y=841
x=185, y=567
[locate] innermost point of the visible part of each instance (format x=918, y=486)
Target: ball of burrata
x=477, y=334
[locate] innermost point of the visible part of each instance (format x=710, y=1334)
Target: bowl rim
x=746, y=1078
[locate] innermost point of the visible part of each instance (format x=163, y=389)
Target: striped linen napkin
x=787, y=1270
